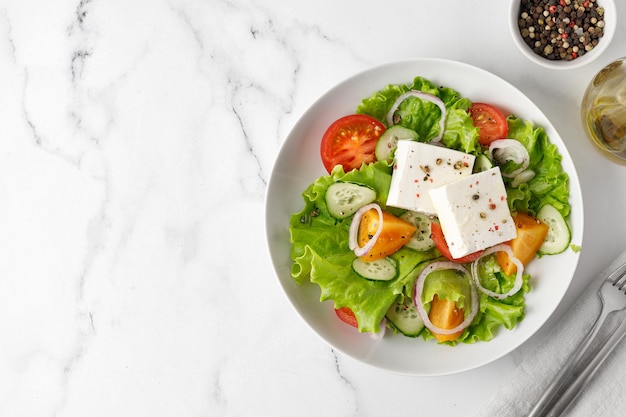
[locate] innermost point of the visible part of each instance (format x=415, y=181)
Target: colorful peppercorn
x=561, y=29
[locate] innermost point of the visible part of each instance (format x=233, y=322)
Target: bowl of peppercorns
x=562, y=34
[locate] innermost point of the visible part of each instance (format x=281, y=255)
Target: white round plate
x=298, y=164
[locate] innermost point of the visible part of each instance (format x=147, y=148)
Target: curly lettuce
x=423, y=116
x=321, y=254
x=550, y=185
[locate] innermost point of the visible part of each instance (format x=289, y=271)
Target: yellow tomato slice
x=395, y=234
x=531, y=233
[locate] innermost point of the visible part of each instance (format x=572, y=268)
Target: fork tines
x=618, y=277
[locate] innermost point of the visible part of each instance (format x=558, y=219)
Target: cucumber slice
x=403, y=316
x=379, y=270
x=421, y=240
x=388, y=141
x=482, y=163
x=343, y=199
x=559, y=235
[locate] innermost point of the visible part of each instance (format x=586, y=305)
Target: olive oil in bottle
x=603, y=109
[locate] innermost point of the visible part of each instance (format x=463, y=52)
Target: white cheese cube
x=420, y=167
x=474, y=213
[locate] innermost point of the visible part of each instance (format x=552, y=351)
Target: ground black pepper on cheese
x=561, y=29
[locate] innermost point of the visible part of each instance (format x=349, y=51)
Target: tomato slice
x=347, y=316
x=351, y=141
x=446, y=315
x=442, y=246
x=490, y=121
x=531, y=233
x=395, y=234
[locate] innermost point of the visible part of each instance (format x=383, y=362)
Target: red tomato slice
x=350, y=141
x=347, y=316
x=442, y=246
x=490, y=121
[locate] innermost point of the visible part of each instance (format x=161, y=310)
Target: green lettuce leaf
x=423, y=116
x=550, y=185
x=447, y=284
x=494, y=313
x=321, y=254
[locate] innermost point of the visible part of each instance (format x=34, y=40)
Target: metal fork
x=612, y=294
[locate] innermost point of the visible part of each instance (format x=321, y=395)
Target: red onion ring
x=518, y=276
x=353, y=243
x=522, y=177
x=426, y=97
x=512, y=150
x=381, y=332
x=419, y=288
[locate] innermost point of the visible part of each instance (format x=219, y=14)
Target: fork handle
x=555, y=385
x=581, y=380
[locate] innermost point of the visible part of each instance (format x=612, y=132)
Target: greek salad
x=432, y=207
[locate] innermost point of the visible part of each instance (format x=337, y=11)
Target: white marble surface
x=136, y=141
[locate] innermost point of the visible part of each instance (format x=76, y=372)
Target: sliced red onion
x=426, y=97
x=509, y=150
x=381, y=332
x=353, y=243
x=518, y=275
x=419, y=287
x=522, y=178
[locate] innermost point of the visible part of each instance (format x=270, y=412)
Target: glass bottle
x=603, y=110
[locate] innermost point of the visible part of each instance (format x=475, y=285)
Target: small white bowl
x=610, y=20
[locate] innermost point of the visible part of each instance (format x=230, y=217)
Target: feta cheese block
x=474, y=213
x=420, y=167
